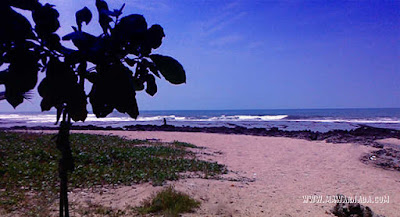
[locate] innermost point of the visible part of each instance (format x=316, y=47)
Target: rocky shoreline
x=365, y=135
x=384, y=157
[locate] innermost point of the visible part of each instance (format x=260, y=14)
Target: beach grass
x=29, y=174
x=169, y=202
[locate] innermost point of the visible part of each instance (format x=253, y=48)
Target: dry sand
x=278, y=171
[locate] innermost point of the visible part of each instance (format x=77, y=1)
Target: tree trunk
x=66, y=164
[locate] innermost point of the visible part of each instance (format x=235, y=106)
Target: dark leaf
x=155, y=71
x=14, y=26
x=104, y=18
x=145, y=50
x=77, y=103
x=3, y=76
x=23, y=64
x=60, y=87
x=4, y=4
x=67, y=51
x=104, y=21
x=82, y=68
x=82, y=40
x=46, y=19
x=151, y=66
x=130, y=28
x=46, y=104
x=78, y=113
x=14, y=98
x=60, y=72
x=100, y=109
x=114, y=13
x=82, y=72
x=91, y=76
x=117, y=13
x=154, y=36
x=43, y=88
x=151, y=87
x=101, y=5
x=139, y=84
x=170, y=68
x=83, y=15
x=133, y=110
x=52, y=41
x=113, y=88
x=101, y=95
x=120, y=10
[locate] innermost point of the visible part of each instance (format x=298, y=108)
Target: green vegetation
x=169, y=202
x=185, y=144
x=28, y=166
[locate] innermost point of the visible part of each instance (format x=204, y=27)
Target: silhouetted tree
x=118, y=63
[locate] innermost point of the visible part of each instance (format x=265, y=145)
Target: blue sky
x=267, y=54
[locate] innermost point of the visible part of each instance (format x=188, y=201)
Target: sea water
x=286, y=119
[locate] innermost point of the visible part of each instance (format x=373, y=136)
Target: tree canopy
x=118, y=62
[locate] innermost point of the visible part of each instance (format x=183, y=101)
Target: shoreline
x=365, y=135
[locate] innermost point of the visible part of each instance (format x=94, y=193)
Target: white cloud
x=146, y=5
x=221, y=27
x=225, y=40
x=221, y=22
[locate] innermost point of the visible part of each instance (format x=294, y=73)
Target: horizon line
x=155, y=110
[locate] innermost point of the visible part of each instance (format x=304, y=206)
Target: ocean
x=321, y=120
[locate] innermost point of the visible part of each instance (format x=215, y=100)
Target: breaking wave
x=50, y=118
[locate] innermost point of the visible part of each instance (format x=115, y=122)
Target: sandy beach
x=273, y=175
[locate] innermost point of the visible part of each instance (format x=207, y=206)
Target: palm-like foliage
x=118, y=63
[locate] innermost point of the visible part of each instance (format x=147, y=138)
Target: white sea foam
x=222, y=118
x=358, y=121
x=50, y=118
x=246, y=118
x=41, y=118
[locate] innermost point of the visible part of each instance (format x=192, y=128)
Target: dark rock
x=386, y=158
x=352, y=209
x=377, y=145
